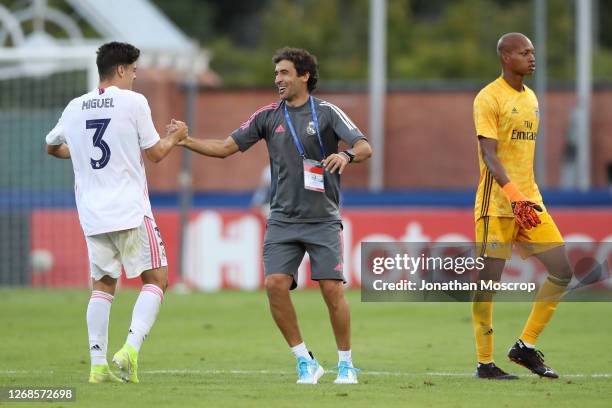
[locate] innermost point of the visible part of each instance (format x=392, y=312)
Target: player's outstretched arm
x=211, y=147
x=523, y=209
x=176, y=131
x=361, y=151
x=60, y=151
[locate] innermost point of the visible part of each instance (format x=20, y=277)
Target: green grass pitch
x=223, y=349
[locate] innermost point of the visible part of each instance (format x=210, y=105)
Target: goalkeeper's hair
x=113, y=54
x=303, y=61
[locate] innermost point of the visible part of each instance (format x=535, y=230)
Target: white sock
x=144, y=314
x=345, y=356
x=301, y=351
x=98, y=313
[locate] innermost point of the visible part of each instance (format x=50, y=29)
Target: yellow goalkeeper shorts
x=495, y=237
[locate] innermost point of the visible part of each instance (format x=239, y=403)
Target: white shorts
x=137, y=249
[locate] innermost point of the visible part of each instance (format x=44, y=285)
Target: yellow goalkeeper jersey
x=512, y=118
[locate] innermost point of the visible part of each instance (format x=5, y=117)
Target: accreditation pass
x=313, y=176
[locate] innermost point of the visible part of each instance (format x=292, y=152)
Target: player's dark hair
x=113, y=54
x=303, y=61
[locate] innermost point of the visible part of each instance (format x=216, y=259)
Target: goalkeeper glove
x=524, y=210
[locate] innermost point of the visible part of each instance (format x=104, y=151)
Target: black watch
x=350, y=155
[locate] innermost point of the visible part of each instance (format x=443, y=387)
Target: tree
x=427, y=39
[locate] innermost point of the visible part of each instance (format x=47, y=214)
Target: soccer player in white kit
x=103, y=133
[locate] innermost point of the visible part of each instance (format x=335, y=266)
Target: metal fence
x=29, y=178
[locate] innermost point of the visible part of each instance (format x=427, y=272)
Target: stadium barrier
x=224, y=247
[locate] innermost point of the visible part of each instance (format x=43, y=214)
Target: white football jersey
x=105, y=130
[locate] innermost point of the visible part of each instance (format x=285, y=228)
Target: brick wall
x=430, y=141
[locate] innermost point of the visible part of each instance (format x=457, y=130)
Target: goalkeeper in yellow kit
x=509, y=208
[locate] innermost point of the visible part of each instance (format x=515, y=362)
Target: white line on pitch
x=280, y=372
x=374, y=373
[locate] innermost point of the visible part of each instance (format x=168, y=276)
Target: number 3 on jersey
x=100, y=125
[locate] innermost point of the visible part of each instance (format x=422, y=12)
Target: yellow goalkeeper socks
x=543, y=308
x=482, y=320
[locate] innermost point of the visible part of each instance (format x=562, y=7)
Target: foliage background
x=427, y=39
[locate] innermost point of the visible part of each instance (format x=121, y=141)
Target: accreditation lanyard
x=296, y=139
x=313, y=170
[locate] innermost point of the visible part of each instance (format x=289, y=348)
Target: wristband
x=513, y=193
x=350, y=155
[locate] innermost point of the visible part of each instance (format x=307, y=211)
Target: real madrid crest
x=310, y=129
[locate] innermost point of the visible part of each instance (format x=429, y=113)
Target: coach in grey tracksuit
x=302, y=134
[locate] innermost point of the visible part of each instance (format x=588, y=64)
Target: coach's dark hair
x=112, y=54
x=303, y=61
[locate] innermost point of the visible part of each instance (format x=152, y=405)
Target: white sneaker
x=347, y=374
x=309, y=371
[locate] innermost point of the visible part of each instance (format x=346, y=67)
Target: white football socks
x=144, y=314
x=98, y=313
x=301, y=351
x=345, y=356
